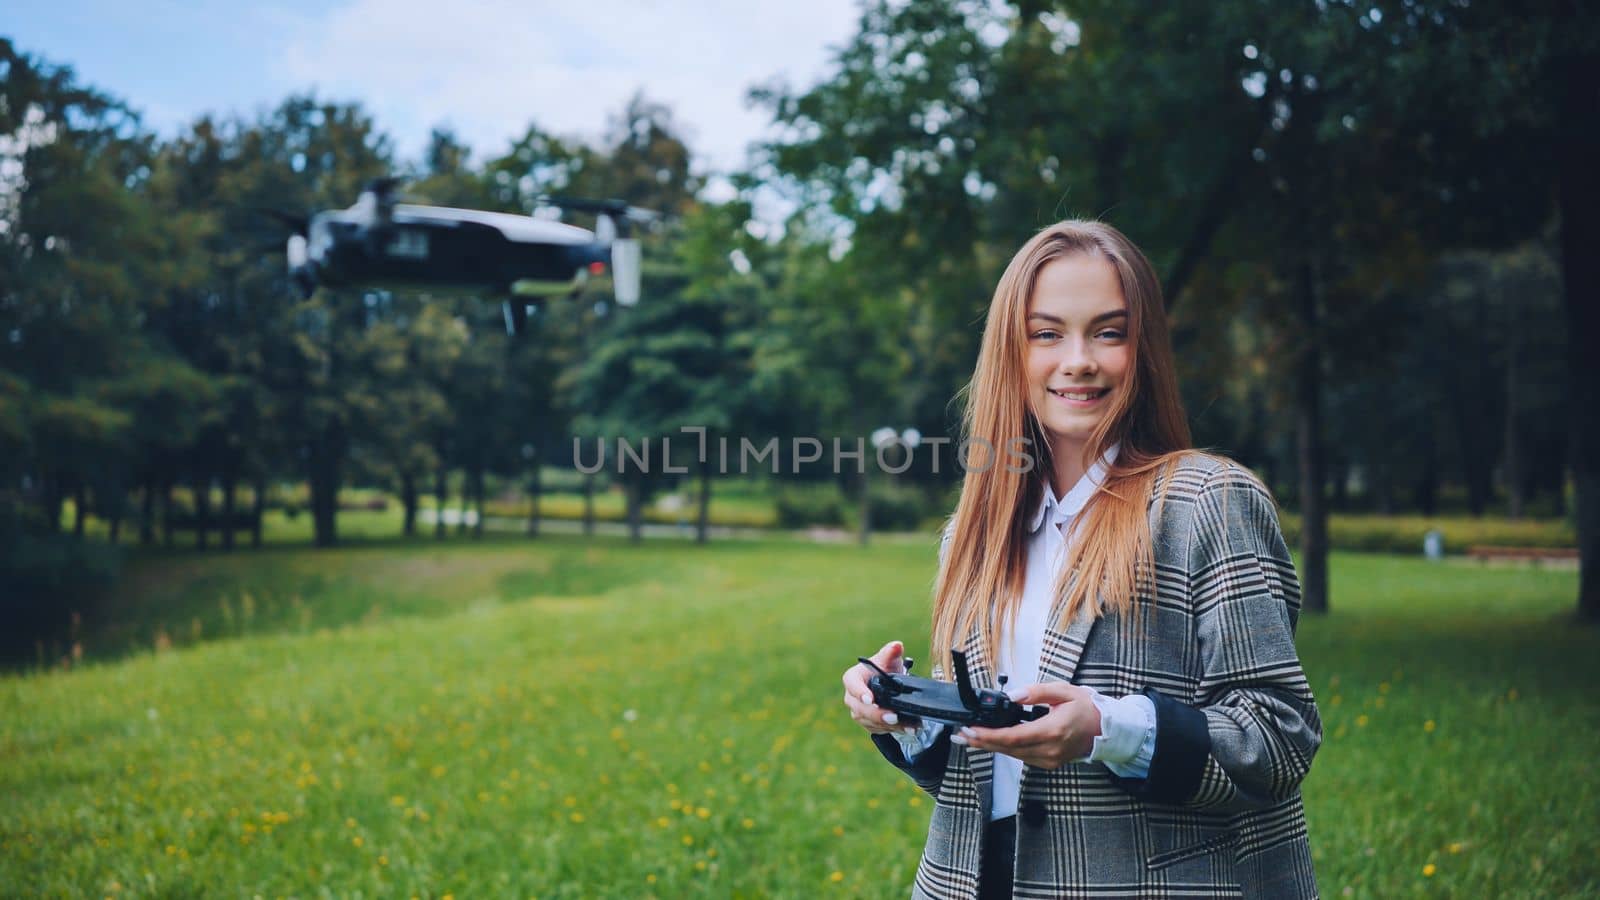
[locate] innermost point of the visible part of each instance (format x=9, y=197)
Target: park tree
x=303, y=156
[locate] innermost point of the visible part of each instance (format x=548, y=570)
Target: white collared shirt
x=1126, y=742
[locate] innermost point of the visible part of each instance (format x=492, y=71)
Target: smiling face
x=1078, y=354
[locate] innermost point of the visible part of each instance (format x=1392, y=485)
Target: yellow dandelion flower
x=748, y=823
x=1429, y=726
x=383, y=860
x=872, y=802
x=1428, y=870
x=836, y=877
x=688, y=840
x=438, y=771
x=699, y=865
x=1455, y=847
x=577, y=818
x=916, y=799
x=712, y=853
x=676, y=803
x=664, y=822
x=703, y=813
x=838, y=831
x=651, y=878
x=1361, y=721
x=570, y=800
x=357, y=840
x=397, y=800
x=349, y=823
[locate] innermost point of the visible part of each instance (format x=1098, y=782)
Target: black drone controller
x=941, y=701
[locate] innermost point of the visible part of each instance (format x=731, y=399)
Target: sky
x=485, y=68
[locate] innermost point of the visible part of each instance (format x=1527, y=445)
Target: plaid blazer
x=1219, y=814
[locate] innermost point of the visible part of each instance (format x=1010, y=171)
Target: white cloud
x=490, y=67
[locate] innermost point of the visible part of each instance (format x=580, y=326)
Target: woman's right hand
x=858, y=696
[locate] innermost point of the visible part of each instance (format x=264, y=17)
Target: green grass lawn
x=579, y=718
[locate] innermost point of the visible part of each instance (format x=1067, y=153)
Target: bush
x=1403, y=534
x=49, y=579
x=895, y=507
x=802, y=506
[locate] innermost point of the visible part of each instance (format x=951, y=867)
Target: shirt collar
x=1060, y=510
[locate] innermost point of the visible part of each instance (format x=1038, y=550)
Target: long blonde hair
x=981, y=579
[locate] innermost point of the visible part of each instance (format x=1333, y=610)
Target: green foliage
x=51, y=581
x=454, y=719
x=895, y=506
x=804, y=505
x=1404, y=534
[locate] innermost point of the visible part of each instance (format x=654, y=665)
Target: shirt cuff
x=1127, y=739
x=914, y=744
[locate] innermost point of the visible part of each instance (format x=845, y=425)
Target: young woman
x=1140, y=589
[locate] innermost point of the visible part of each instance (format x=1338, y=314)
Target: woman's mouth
x=1079, y=398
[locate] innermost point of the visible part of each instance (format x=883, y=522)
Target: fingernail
x=968, y=732
x=867, y=698
x=890, y=718
x=958, y=739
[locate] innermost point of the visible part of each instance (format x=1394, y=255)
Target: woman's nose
x=1077, y=358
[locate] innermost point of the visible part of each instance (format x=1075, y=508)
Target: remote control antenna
x=969, y=697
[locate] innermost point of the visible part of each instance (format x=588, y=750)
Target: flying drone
x=380, y=243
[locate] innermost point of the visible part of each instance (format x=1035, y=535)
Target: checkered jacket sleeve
x=1245, y=738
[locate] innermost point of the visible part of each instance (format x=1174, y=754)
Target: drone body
x=381, y=244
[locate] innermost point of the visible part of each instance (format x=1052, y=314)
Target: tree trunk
x=80, y=510
x=588, y=503
x=258, y=510
x=865, y=501
x=147, y=514
x=635, y=512
x=325, y=464
x=1513, y=470
x=462, y=503
x=202, y=510
x=1578, y=146
x=535, y=491
x=702, y=530
x=477, y=501
x=441, y=496
x=229, y=510
x=166, y=513
x=1308, y=433
x=408, y=501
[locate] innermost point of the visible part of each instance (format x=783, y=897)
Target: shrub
x=895, y=507
x=48, y=580
x=1404, y=534
x=802, y=506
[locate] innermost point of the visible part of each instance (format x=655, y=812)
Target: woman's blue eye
x=1111, y=334
x=1046, y=334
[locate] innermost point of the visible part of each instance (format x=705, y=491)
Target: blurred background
x=1376, y=227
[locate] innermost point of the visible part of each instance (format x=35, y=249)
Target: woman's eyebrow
x=1112, y=314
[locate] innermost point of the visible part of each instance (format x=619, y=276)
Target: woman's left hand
x=1064, y=734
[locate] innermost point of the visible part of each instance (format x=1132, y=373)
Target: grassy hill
x=579, y=718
